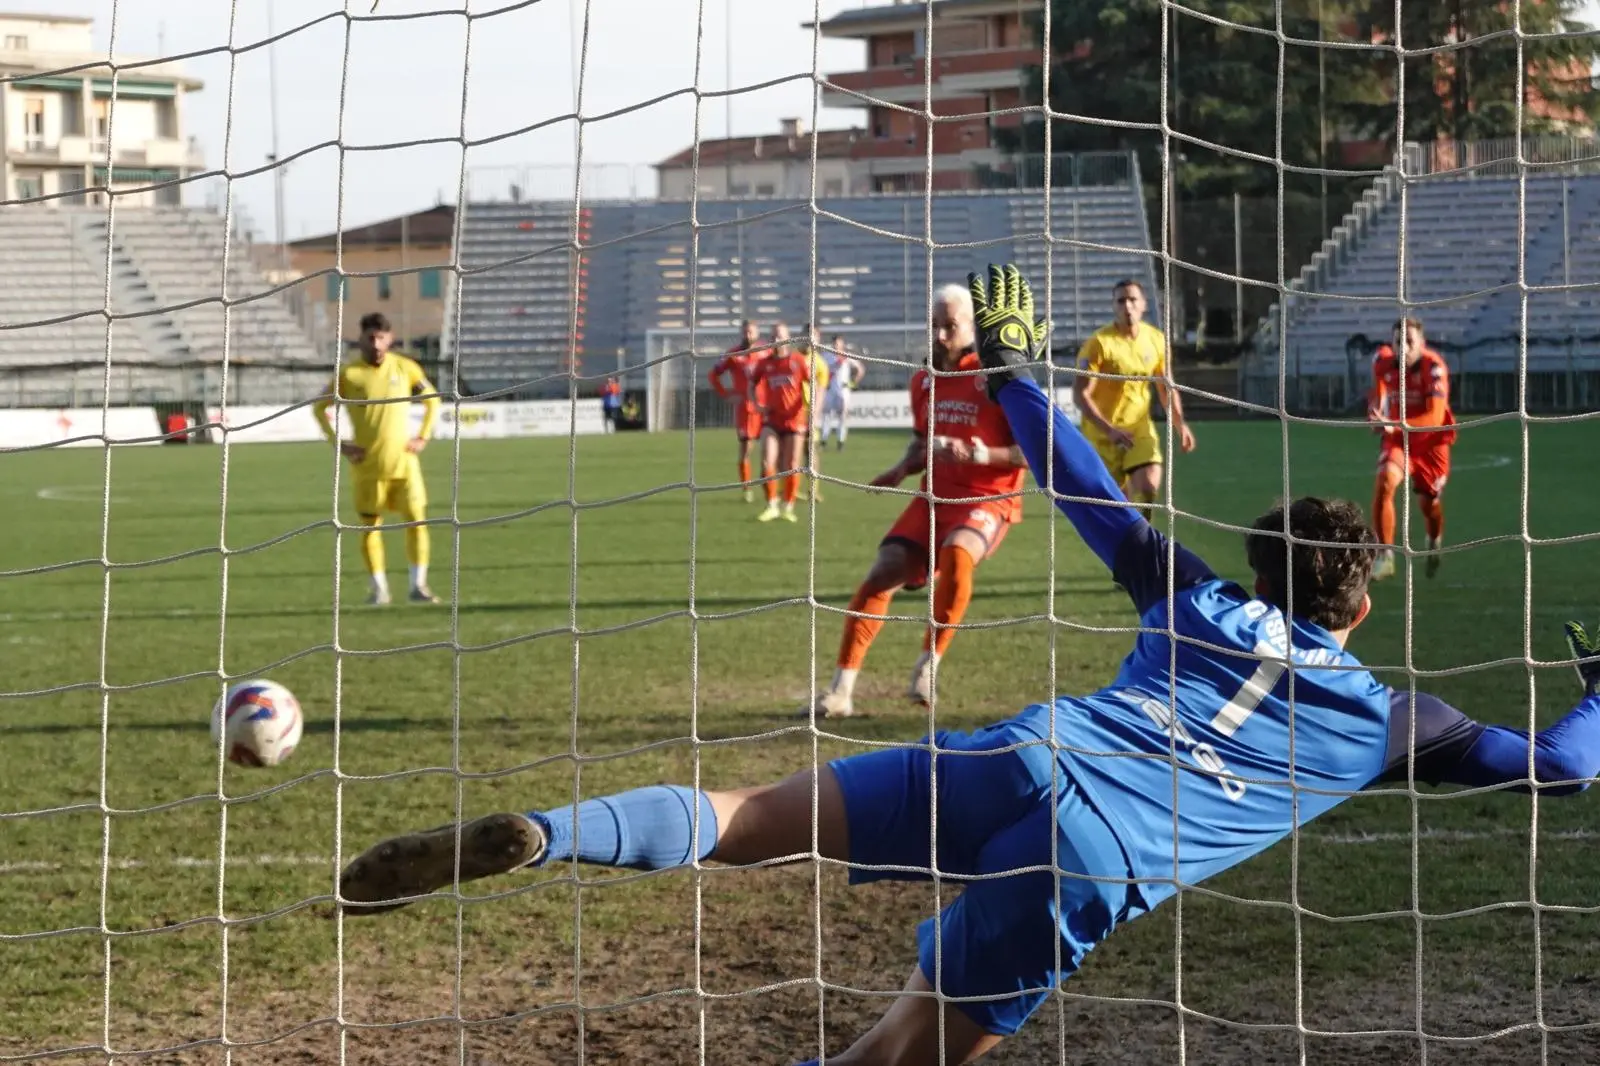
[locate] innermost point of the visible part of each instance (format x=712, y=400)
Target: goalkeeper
x=1063, y=819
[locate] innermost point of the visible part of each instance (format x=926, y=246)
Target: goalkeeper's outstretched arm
x=1451, y=749
x=1063, y=459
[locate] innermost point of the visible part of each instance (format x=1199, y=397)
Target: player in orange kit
x=974, y=455
x=730, y=379
x=1425, y=425
x=780, y=387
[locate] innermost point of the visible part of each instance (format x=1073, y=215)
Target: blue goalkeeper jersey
x=1200, y=736
x=1230, y=725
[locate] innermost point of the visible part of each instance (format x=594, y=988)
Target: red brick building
x=979, y=53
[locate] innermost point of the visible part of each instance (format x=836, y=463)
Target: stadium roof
x=831, y=144
x=436, y=225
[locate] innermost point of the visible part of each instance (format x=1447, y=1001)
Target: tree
x=1221, y=87
x=1470, y=92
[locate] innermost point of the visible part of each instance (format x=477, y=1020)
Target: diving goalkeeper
x=1190, y=745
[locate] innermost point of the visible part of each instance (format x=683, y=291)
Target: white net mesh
x=612, y=614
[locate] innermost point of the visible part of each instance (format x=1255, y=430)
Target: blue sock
x=646, y=829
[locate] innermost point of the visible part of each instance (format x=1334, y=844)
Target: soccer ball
x=261, y=720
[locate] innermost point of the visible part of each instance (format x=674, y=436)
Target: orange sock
x=744, y=471
x=859, y=633
x=791, y=487
x=1433, y=515
x=1383, y=511
x=770, y=485
x=950, y=596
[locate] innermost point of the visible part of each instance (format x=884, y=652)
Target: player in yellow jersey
x=1123, y=360
x=816, y=389
x=383, y=452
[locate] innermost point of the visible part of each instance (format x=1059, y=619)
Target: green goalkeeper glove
x=1587, y=652
x=1010, y=341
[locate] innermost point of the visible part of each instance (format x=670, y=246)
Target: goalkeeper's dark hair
x=1327, y=559
x=376, y=320
x=1128, y=283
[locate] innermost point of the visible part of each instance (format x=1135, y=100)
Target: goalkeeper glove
x=1009, y=339
x=1587, y=652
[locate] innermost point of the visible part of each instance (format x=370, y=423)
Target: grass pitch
x=654, y=632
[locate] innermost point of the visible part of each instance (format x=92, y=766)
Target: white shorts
x=835, y=403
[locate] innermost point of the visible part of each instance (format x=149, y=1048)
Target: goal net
x=210, y=215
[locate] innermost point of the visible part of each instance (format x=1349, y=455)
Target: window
x=430, y=286
x=72, y=182
x=338, y=287
x=33, y=123
x=101, y=129
x=833, y=187
x=766, y=189
x=385, y=290
x=16, y=43
x=739, y=188
x=29, y=186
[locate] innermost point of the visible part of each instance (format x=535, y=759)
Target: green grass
x=654, y=632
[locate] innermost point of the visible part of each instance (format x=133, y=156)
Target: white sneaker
x=831, y=705
x=378, y=598
x=749, y=495
x=788, y=513
x=770, y=514
x=921, y=687
x=1383, y=568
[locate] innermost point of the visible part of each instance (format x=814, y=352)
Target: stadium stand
x=1462, y=241
x=55, y=268
x=177, y=253
x=45, y=277
x=755, y=260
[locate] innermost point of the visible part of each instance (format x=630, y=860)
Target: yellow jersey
x=819, y=374
x=1124, y=401
x=383, y=429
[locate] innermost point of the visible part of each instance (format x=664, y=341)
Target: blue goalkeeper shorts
x=1018, y=928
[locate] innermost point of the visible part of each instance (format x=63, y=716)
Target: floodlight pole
x=277, y=159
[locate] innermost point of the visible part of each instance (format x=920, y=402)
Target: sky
x=355, y=94
x=378, y=85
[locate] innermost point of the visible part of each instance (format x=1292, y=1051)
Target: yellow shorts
x=406, y=495
x=1145, y=451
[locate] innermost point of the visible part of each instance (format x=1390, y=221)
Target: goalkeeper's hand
x=1587, y=652
x=1010, y=340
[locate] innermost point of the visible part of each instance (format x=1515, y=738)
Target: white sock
x=380, y=583
x=419, y=575
x=844, y=681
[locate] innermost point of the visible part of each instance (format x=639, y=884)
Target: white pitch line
x=75, y=494
x=1342, y=840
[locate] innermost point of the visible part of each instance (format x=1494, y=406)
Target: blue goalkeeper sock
x=646, y=829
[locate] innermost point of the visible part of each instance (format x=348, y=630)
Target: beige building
x=776, y=165
x=402, y=268
x=65, y=133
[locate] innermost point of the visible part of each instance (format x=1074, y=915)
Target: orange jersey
x=737, y=367
x=962, y=408
x=782, y=382
x=1427, y=395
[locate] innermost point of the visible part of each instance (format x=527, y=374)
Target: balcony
x=954, y=74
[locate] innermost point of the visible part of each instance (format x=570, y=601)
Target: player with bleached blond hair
x=968, y=502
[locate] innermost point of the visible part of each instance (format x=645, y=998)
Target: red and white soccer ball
x=261, y=720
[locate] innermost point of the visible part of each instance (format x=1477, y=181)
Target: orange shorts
x=789, y=425
x=747, y=422
x=1429, y=469
x=920, y=518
